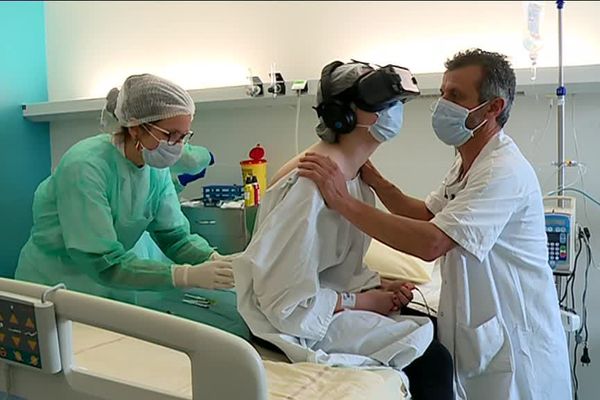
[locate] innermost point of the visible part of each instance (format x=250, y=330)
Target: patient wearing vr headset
x=301, y=283
x=359, y=107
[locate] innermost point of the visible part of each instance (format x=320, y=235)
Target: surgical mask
x=164, y=156
x=388, y=124
x=449, y=121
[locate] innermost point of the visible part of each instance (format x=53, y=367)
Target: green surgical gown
x=193, y=160
x=90, y=213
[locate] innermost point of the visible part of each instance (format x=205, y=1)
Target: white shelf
x=579, y=79
x=205, y=99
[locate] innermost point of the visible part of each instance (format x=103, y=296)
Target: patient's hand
x=402, y=289
x=379, y=301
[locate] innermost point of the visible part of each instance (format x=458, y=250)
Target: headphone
x=336, y=113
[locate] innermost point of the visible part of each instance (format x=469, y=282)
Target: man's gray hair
x=498, y=77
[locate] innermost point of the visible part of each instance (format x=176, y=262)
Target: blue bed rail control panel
x=561, y=232
x=28, y=333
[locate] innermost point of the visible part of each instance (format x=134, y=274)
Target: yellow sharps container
x=256, y=166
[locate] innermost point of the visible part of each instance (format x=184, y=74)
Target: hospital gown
x=302, y=254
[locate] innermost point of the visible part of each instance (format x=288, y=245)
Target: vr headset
x=375, y=90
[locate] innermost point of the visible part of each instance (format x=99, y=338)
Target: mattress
x=125, y=358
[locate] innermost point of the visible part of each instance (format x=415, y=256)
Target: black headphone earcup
x=336, y=114
x=338, y=117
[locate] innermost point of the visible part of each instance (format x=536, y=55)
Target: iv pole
x=561, y=93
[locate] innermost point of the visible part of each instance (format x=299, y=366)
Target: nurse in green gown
x=108, y=190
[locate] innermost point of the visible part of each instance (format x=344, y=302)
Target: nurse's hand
x=379, y=301
x=215, y=256
x=371, y=176
x=328, y=177
x=208, y=275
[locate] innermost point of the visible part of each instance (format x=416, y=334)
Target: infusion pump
x=561, y=232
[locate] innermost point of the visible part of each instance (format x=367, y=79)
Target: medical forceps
x=198, y=301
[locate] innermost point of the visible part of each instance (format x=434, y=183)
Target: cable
x=585, y=358
x=425, y=301
x=576, y=141
x=583, y=236
x=535, y=138
x=571, y=278
x=418, y=303
x=580, y=236
x=581, y=192
x=587, y=240
x=582, y=169
x=573, y=290
x=296, y=134
x=574, y=371
x=558, y=285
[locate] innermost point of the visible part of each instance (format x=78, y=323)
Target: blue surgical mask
x=449, y=121
x=388, y=124
x=164, y=156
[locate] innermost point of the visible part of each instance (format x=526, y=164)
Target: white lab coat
x=498, y=313
x=301, y=255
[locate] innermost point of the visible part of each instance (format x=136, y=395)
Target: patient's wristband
x=348, y=301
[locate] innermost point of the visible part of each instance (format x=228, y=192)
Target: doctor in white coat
x=498, y=313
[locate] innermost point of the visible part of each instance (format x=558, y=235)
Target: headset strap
x=326, y=79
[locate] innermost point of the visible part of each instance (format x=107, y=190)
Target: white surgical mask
x=449, y=121
x=164, y=156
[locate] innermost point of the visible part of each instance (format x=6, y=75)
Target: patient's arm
x=285, y=170
x=285, y=257
x=380, y=301
x=293, y=244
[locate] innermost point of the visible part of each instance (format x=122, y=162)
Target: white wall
x=93, y=46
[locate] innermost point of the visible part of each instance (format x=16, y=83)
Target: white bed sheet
x=124, y=358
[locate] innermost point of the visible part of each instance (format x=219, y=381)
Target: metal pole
x=561, y=93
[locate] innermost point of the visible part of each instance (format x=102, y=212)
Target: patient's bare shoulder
x=285, y=170
x=291, y=165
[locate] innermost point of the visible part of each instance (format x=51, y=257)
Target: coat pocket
x=484, y=349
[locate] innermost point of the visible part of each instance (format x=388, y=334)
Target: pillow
x=393, y=264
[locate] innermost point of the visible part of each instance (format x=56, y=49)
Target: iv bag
x=532, y=41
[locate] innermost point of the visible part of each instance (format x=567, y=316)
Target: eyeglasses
x=174, y=137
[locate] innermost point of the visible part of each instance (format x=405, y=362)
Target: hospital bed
x=112, y=350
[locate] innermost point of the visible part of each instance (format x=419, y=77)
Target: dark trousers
x=431, y=375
